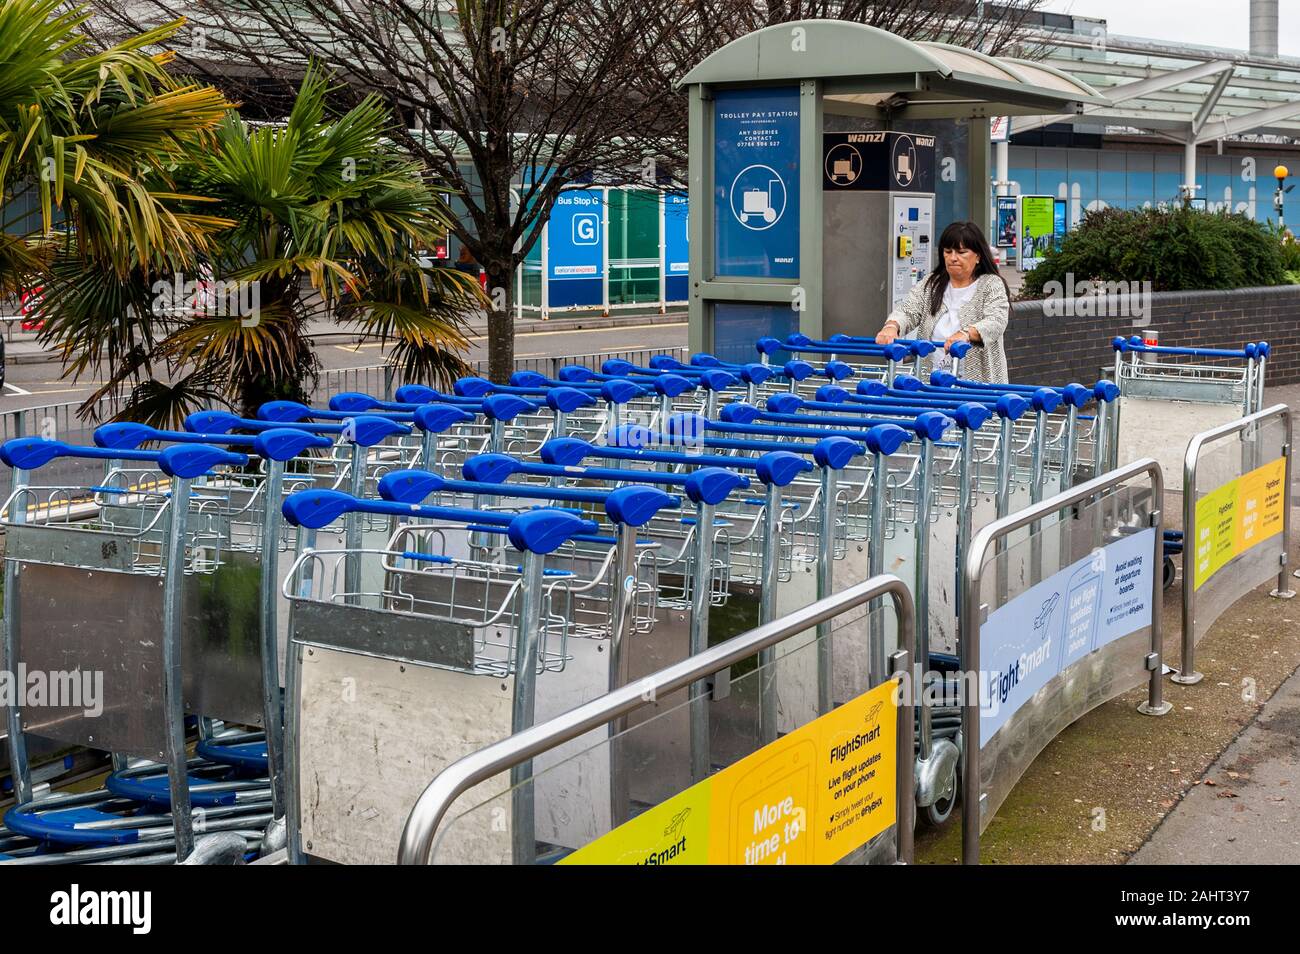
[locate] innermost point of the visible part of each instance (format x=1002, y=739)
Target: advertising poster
x=576, y=249
x=1055, y=623
x=1236, y=516
x=756, y=182
x=1037, y=227
x=1007, y=227
x=811, y=797
x=677, y=258
x=1059, y=227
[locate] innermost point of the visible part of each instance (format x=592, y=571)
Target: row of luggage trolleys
x=338, y=602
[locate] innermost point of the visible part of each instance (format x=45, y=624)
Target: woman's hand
x=887, y=334
x=962, y=335
x=970, y=335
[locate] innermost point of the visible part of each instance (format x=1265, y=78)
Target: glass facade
x=634, y=242
x=1123, y=178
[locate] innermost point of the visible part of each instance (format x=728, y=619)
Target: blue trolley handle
x=538, y=531
x=777, y=467
x=1012, y=406
x=706, y=485
x=276, y=443
x=357, y=402
x=737, y=417
x=364, y=429
x=633, y=505
x=185, y=460
x=968, y=414
x=1134, y=344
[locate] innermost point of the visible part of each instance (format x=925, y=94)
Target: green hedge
x=1176, y=250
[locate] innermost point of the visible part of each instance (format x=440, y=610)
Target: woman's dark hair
x=961, y=236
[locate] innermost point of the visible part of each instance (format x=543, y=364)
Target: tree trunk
x=501, y=321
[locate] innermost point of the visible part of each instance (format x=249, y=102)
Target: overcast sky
x=1223, y=23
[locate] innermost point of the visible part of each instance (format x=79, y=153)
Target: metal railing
x=380, y=380
x=55, y=421
x=972, y=617
x=431, y=807
x=1188, y=674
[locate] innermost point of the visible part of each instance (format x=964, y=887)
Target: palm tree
x=90, y=137
x=326, y=219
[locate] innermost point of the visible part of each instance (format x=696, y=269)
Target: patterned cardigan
x=987, y=312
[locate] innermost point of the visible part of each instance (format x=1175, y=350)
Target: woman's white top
x=948, y=324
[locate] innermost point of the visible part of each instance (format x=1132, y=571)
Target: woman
x=963, y=299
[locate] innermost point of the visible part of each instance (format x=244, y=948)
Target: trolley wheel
x=1170, y=572
x=938, y=812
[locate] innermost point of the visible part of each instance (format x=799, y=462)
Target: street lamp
x=1279, y=197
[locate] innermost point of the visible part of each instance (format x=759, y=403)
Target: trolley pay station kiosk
x=787, y=234
x=878, y=191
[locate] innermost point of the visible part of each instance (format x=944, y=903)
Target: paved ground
x=1246, y=808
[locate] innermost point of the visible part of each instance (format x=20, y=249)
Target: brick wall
x=1044, y=349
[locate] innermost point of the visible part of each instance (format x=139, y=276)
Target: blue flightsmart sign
x=575, y=250
x=756, y=182
x=677, y=258
x=1056, y=623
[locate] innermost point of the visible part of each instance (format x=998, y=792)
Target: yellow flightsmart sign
x=1234, y=517
x=810, y=797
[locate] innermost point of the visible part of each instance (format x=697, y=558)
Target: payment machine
x=878, y=227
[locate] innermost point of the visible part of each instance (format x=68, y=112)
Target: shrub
x=1175, y=250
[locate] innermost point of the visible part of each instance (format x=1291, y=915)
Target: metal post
x=1003, y=501
x=1067, y=481
x=964, y=494
x=905, y=796
x=698, y=694
x=825, y=587
x=1259, y=386
x=624, y=613
x=1036, y=493
x=876, y=562
x=305, y=540
x=19, y=767
x=429, y=451
x=544, y=303
x=767, y=612
x=272, y=490
x=172, y=682
x=1283, y=590
x=1101, y=451
x=1155, y=704
x=665, y=411
x=525, y=664
x=924, y=464
x=1112, y=443
x=352, y=526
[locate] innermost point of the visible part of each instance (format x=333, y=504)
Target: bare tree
x=512, y=101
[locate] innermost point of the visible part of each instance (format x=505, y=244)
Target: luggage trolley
x=93, y=594
x=1168, y=395
x=247, y=507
